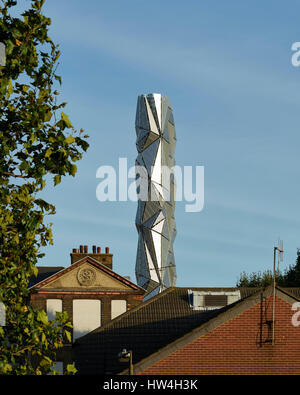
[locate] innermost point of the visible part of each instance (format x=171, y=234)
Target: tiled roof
x=289, y=295
x=145, y=329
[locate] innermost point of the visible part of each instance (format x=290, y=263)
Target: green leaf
x=57, y=179
x=24, y=166
x=58, y=78
x=46, y=361
x=71, y=369
x=70, y=139
x=6, y=368
x=66, y=120
x=24, y=198
x=42, y=317
x=48, y=116
x=43, y=338
x=68, y=336
x=10, y=89
x=73, y=170
x=48, y=153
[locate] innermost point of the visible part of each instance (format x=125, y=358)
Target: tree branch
x=13, y=175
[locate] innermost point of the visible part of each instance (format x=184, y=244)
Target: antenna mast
x=280, y=258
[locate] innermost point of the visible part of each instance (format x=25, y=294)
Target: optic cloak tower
x=155, y=222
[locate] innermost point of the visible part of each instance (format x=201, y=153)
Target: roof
x=47, y=276
x=146, y=329
x=223, y=315
x=43, y=273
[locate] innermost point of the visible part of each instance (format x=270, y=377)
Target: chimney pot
x=85, y=249
x=74, y=250
x=94, y=249
x=81, y=249
x=98, y=250
x=106, y=250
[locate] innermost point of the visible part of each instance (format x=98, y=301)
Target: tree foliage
x=37, y=143
x=255, y=279
x=290, y=277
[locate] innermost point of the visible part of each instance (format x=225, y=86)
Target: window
x=215, y=300
x=118, y=307
x=86, y=316
x=53, y=306
x=210, y=300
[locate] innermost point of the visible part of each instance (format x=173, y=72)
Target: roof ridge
x=284, y=290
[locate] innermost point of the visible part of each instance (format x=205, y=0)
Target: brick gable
x=240, y=345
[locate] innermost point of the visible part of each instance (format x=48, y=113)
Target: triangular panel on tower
x=149, y=155
x=152, y=123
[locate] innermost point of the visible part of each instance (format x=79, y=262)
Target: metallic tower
x=156, y=139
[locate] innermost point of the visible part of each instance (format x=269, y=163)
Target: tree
x=255, y=279
x=292, y=274
x=38, y=142
x=290, y=277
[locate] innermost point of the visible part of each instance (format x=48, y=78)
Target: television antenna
x=278, y=251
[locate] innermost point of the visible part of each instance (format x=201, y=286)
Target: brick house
x=88, y=290
x=170, y=334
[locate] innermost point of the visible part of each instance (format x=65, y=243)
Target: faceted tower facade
x=155, y=222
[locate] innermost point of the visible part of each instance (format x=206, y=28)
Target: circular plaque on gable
x=86, y=276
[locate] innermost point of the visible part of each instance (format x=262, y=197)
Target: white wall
x=86, y=316
x=118, y=307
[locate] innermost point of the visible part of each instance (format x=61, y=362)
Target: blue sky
x=226, y=67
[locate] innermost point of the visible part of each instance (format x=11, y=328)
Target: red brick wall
x=239, y=346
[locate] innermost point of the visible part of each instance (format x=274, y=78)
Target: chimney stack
x=104, y=258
